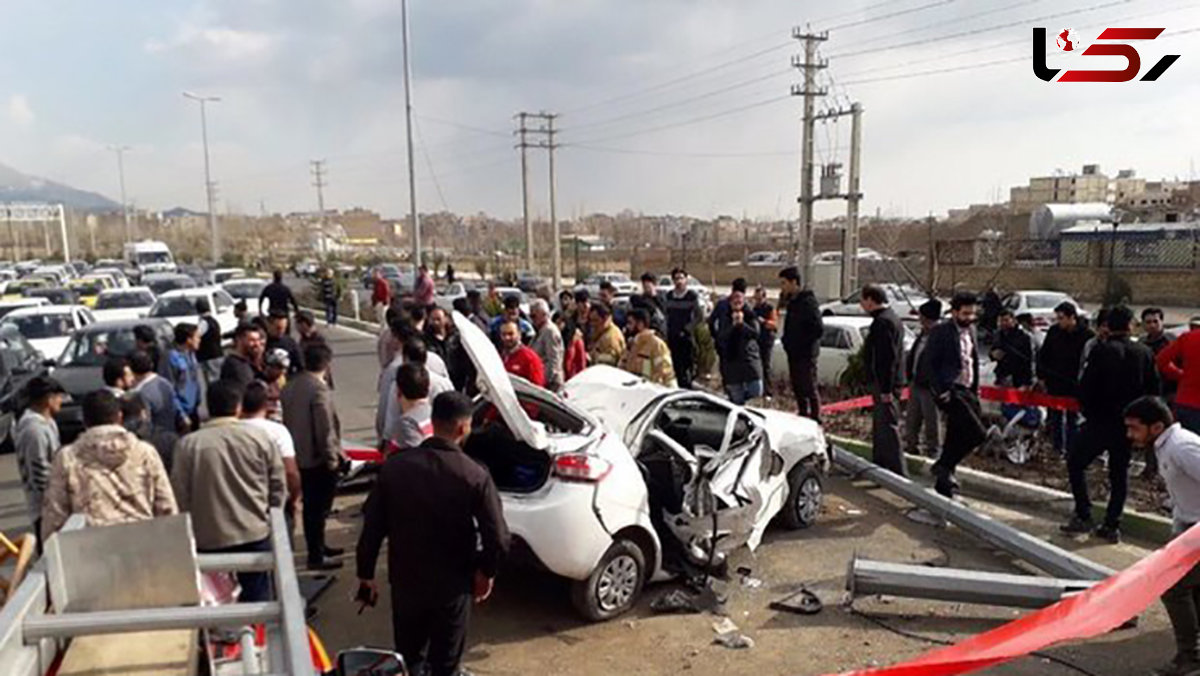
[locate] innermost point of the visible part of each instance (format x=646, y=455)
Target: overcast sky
x=649, y=94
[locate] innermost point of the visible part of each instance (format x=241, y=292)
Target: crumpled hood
x=105, y=445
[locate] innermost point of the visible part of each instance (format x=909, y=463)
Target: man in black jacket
x=1058, y=364
x=922, y=415
x=278, y=296
x=802, y=329
x=954, y=365
x=1118, y=371
x=681, y=306
x=883, y=355
x=441, y=513
x=650, y=300
x=211, y=352
x=1013, y=352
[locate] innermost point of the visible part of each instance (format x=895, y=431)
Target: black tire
x=805, y=497
x=596, y=599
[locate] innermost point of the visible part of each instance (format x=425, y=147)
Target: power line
x=977, y=31
x=882, y=17
x=429, y=163
x=703, y=118
x=937, y=24
x=667, y=153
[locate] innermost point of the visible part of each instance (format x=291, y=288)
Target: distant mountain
x=18, y=187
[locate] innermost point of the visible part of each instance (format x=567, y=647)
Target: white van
x=150, y=256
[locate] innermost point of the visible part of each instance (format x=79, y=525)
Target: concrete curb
x=1150, y=527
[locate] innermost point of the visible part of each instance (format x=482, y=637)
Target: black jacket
x=945, y=357
x=210, y=342
x=883, y=351
x=1058, y=361
x=741, y=360
x=434, y=504
x=916, y=362
x=238, y=369
x=802, y=327
x=1118, y=371
x=1015, y=351
x=289, y=345
x=278, y=297
x=653, y=305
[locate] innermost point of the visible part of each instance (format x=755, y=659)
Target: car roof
x=164, y=275
x=110, y=324
x=847, y=322
x=35, y=310
x=196, y=291
x=128, y=289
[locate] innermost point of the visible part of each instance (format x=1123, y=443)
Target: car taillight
x=581, y=467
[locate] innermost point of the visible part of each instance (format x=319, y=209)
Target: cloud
x=219, y=42
x=19, y=110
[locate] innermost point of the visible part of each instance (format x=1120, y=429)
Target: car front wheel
x=805, y=496
x=614, y=585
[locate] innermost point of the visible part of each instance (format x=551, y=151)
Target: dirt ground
x=529, y=626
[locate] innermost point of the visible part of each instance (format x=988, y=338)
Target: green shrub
x=706, y=350
x=854, y=378
x=1117, y=291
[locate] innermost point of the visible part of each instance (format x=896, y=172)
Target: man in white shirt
x=388, y=413
x=1149, y=424
x=255, y=405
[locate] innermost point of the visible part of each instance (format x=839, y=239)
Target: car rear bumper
x=559, y=526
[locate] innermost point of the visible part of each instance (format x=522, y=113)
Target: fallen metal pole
x=1050, y=558
x=236, y=563
x=867, y=578
x=68, y=625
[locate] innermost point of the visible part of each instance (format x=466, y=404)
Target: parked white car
x=248, y=289
x=905, y=300
x=590, y=510
x=665, y=285
x=220, y=275
x=49, y=327
x=131, y=303
x=1040, y=304
x=117, y=274
x=179, y=306
x=620, y=281
x=842, y=337
x=7, y=306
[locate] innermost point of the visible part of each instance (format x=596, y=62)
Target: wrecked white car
x=622, y=481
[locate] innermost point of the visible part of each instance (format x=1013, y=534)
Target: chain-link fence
x=1156, y=250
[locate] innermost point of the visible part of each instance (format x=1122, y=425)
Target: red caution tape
x=1096, y=611
x=362, y=454
x=1004, y=395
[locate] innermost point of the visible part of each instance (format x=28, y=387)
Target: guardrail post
x=354, y=300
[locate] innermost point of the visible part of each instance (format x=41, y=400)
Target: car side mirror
x=370, y=662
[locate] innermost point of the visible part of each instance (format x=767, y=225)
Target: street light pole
x=408, y=125
x=120, y=151
x=208, y=184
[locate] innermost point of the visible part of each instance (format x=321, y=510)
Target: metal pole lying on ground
x=1050, y=558
x=865, y=578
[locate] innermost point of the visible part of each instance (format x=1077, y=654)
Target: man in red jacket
x=520, y=359
x=1179, y=362
x=381, y=296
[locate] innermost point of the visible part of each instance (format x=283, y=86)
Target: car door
x=725, y=451
x=837, y=345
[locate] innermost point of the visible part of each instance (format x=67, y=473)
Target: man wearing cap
x=36, y=440
x=276, y=365
x=922, y=412
x=278, y=338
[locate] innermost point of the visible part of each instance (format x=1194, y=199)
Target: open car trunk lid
x=496, y=384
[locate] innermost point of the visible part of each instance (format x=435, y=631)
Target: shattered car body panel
x=728, y=465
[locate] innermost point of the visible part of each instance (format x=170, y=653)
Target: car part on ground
x=866, y=578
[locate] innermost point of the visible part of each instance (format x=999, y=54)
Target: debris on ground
x=747, y=578
x=801, y=602
x=729, y=636
x=675, y=601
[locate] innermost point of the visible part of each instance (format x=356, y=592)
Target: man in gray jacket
x=36, y=441
x=310, y=416
x=548, y=344
x=228, y=476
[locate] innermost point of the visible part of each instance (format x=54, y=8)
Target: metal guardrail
x=30, y=636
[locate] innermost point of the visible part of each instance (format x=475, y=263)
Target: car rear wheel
x=614, y=585
x=805, y=497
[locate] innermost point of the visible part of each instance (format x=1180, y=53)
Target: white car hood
x=51, y=348
x=496, y=384
x=121, y=313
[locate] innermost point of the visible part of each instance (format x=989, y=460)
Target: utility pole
x=408, y=125
x=318, y=172
x=810, y=65
x=853, y=197
x=209, y=186
x=524, y=146
x=523, y=132
x=120, y=151
x=557, y=234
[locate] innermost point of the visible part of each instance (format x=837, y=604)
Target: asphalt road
x=529, y=627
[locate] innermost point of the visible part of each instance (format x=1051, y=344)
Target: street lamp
x=208, y=184
x=120, y=151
